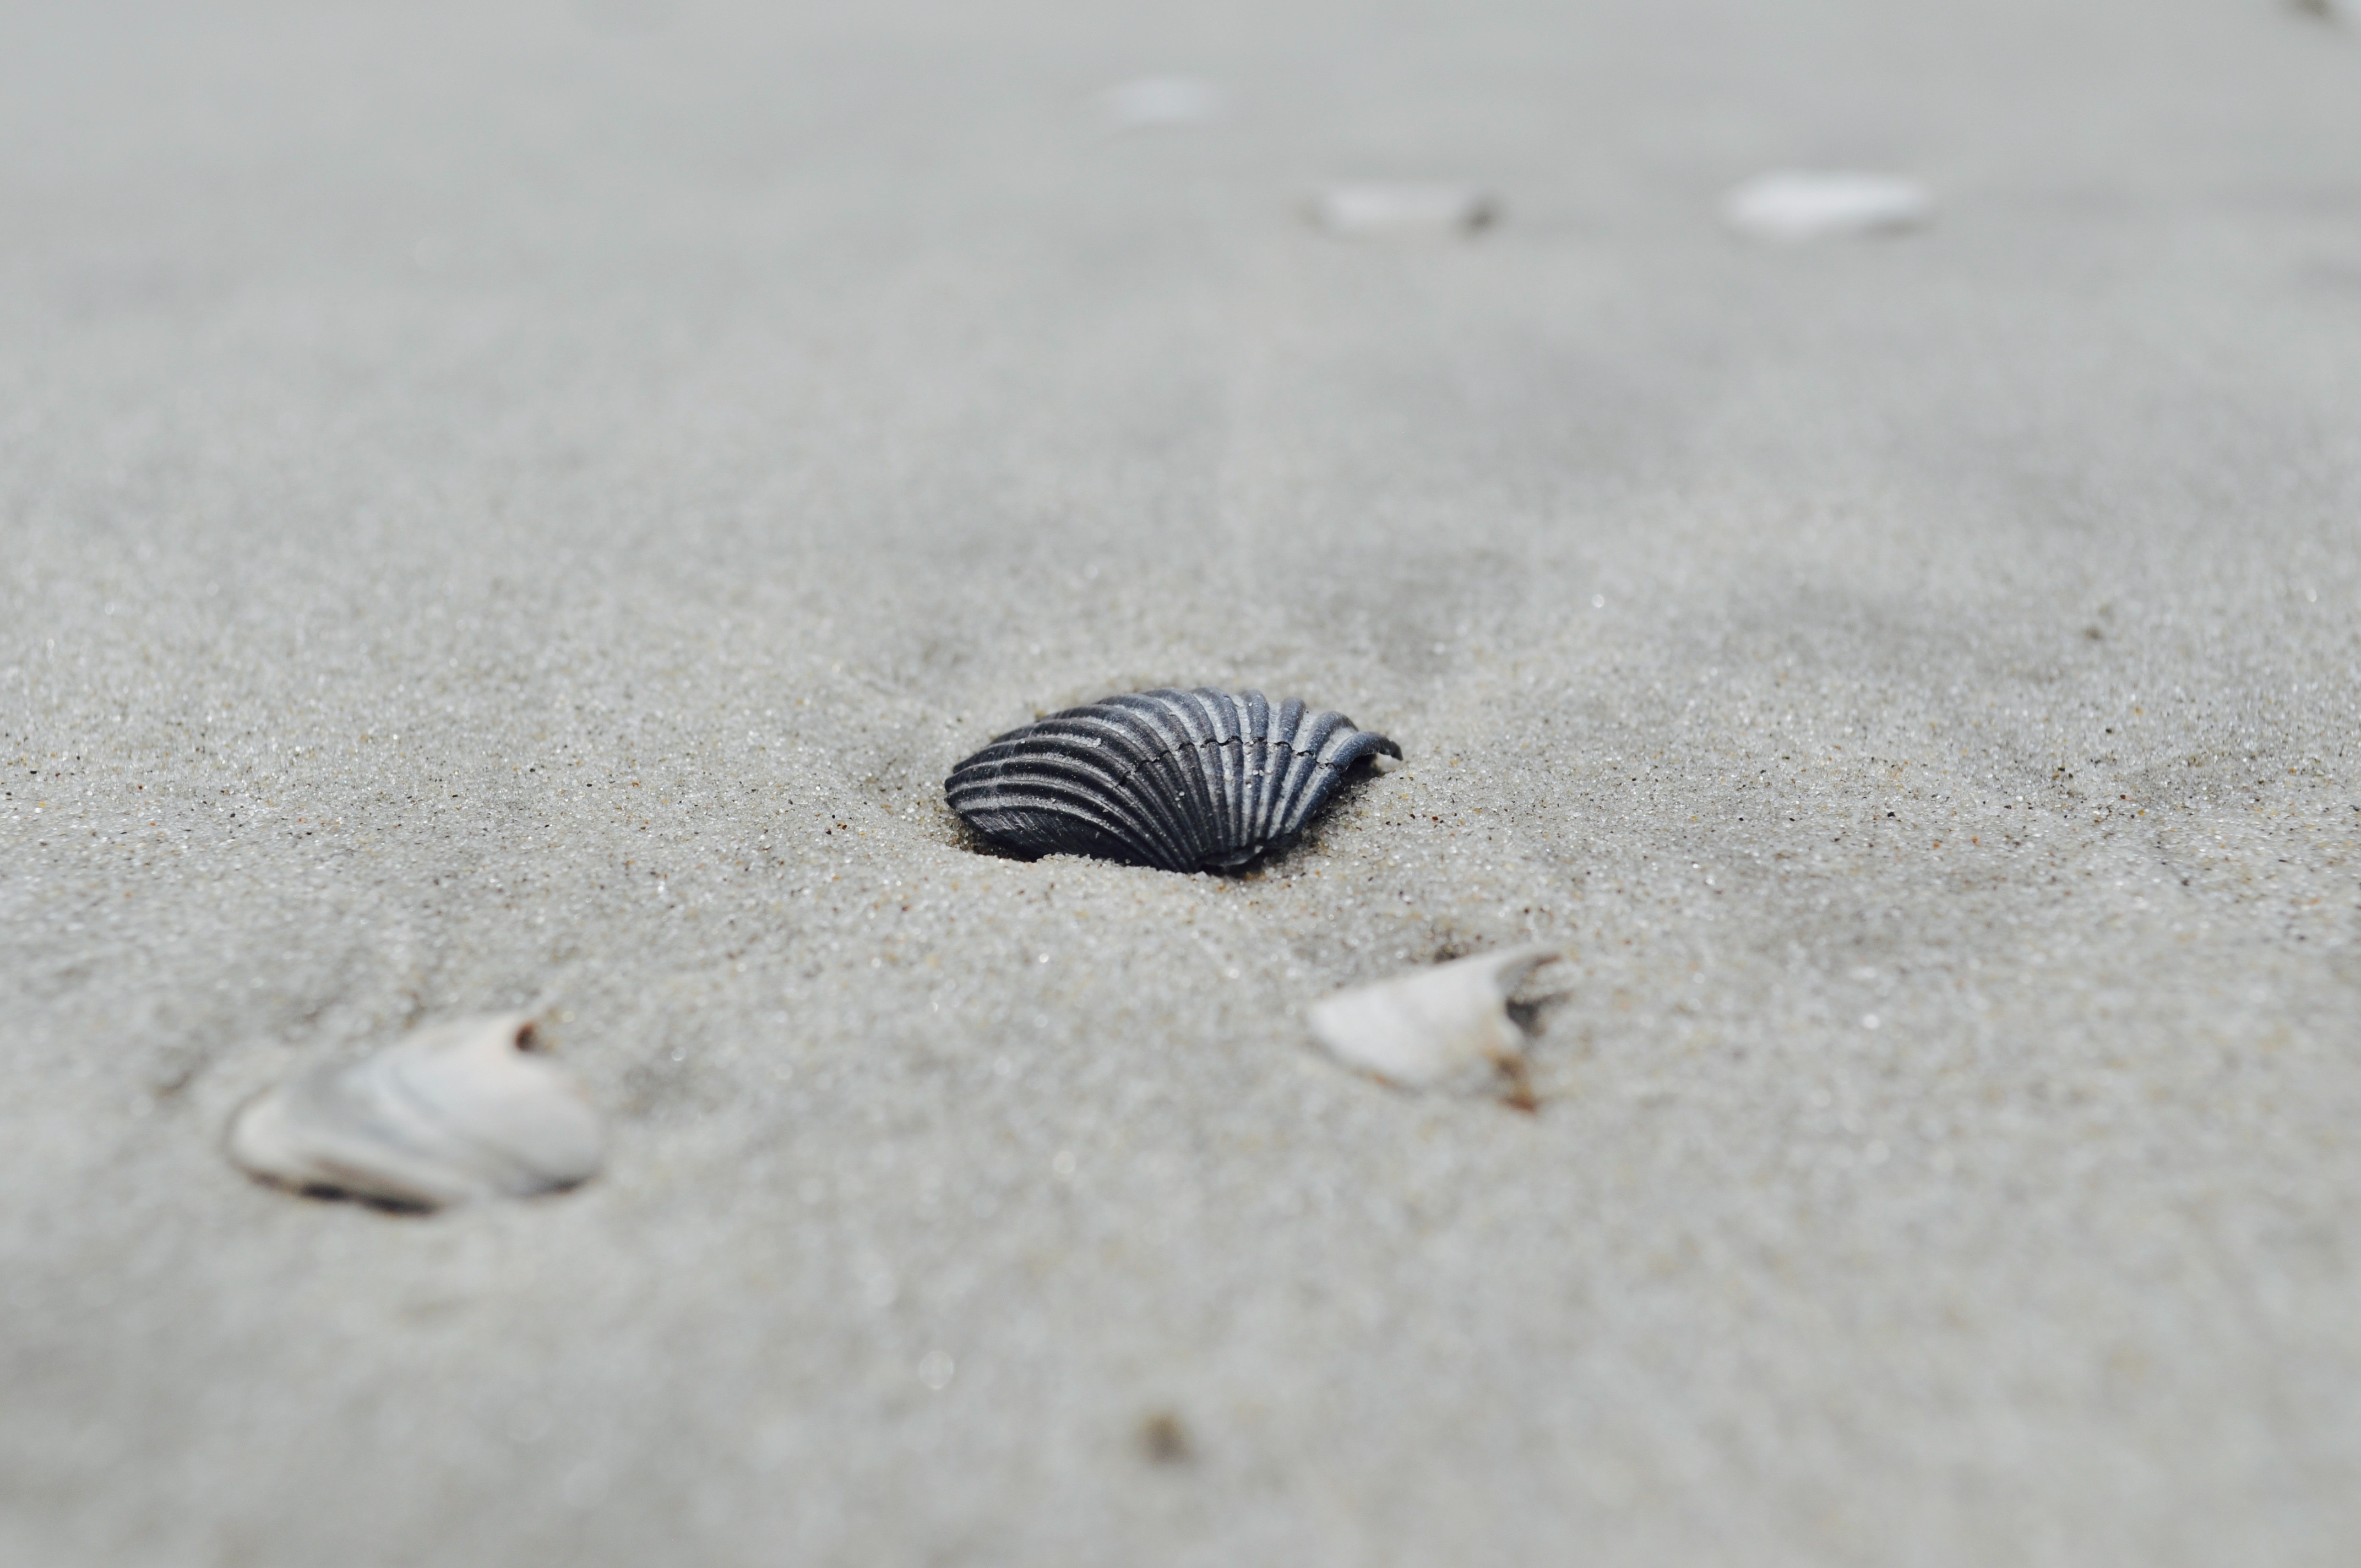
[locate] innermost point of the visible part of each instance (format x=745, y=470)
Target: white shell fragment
x=1152, y=103
x=1426, y=1028
x=1793, y=205
x=465, y=1111
x=1371, y=210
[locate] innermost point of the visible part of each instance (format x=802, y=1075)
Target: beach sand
x=519, y=508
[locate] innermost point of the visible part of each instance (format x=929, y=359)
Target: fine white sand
x=519, y=507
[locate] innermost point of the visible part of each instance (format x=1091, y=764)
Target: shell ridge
x=1028, y=803
x=1095, y=734
x=1025, y=731
x=1112, y=751
x=1281, y=762
x=1065, y=832
x=1256, y=758
x=1177, y=766
x=1347, y=746
x=1203, y=764
x=1319, y=784
x=1143, y=761
x=1357, y=745
x=1267, y=750
x=1334, y=745
x=1302, y=761
x=1218, y=758
x=1185, y=781
x=1055, y=753
x=1151, y=727
x=1206, y=761
x=1187, y=766
x=1089, y=813
x=1242, y=720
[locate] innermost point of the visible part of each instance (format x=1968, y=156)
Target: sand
x=519, y=507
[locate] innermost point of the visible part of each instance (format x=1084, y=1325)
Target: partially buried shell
x=1424, y=1029
x=1183, y=781
x=465, y=1111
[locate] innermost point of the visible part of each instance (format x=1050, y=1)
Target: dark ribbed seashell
x=1183, y=781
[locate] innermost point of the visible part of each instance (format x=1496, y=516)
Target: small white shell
x=1150, y=103
x=463, y=1111
x=1793, y=205
x=1373, y=209
x=1426, y=1028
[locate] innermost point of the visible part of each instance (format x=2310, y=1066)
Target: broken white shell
x=1428, y=1027
x=1799, y=204
x=1373, y=209
x=460, y=1112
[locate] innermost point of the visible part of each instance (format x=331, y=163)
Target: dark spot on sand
x=1164, y=1440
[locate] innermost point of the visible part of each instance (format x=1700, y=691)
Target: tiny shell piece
x=1372, y=209
x=1793, y=205
x=465, y=1111
x=1424, y=1028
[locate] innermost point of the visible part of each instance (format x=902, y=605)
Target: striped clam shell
x=1182, y=781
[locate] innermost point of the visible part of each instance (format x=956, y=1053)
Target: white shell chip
x=1426, y=1028
x=1793, y=205
x=449, y=1114
x=1372, y=209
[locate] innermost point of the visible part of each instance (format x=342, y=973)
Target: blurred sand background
x=520, y=505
